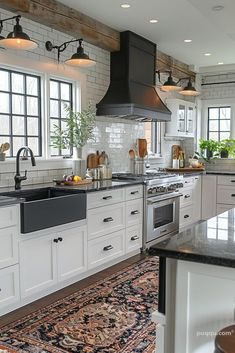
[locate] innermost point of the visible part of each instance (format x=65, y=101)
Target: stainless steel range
x=161, y=204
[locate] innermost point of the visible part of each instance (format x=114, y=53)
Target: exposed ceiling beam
x=67, y=20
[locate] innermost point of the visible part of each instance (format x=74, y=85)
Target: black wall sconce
x=77, y=59
x=170, y=85
x=17, y=39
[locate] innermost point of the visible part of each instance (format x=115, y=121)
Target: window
x=20, y=111
x=219, y=123
x=60, y=95
x=153, y=136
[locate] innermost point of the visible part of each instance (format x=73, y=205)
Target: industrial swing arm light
x=170, y=85
x=17, y=39
x=77, y=59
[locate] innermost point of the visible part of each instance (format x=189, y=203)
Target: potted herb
x=78, y=130
x=209, y=149
x=227, y=148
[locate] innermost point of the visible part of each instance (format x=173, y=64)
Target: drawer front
x=226, y=194
x=134, y=212
x=186, y=216
x=9, y=247
x=134, y=192
x=8, y=216
x=226, y=180
x=134, y=237
x=105, y=220
x=221, y=208
x=9, y=286
x=187, y=197
x=106, y=248
x=104, y=198
x=188, y=181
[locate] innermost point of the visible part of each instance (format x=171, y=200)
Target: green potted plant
x=227, y=148
x=78, y=130
x=209, y=149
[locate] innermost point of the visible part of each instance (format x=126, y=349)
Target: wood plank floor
x=49, y=299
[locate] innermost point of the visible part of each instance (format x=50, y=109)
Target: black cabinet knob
x=134, y=212
x=186, y=216
x=60, y=239
x=55, y=240
x=135, y=237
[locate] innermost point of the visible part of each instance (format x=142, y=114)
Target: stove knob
x=150, y=191
x=154, y=191
x=180, y=185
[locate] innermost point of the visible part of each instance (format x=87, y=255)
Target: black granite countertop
x=209, y=242
x=221, y=172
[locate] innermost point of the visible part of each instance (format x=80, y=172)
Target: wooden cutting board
x=185, y=170
x=142, y=147
x=72, y=183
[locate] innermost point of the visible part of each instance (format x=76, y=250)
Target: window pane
x=4, y=139
x=4, y=125
x=4, y=103
x=54, y=89
x=52, y=123
x=18, y=127
x=213, y=113
x=214, y=125
x=17, y=83
x=225, y=125
x=225, y=113
x=33, y=144
x=4, y=80
x=63, y=124
x=32, y=85
x=65, y=91
x=32, y=106
x=18, y=142
x=214, y=136
x=32, y=126
x=63, y=111
x=55, y=151
x=54, y=109
x=18, y=104
x=224, y=135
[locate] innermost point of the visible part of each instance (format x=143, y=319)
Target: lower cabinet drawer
x=106, y=248
x=226, y=194
x=104, y=220
x=221, y=208
x=134, y=212
x=187, y=197
x=186, y=216
x=134, y=238
x=9, y=286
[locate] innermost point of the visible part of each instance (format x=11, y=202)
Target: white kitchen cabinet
x=134, y=212
x=8, y=247
x=71, y=252
x=105, y=198
x=37, y=264
x=183, y=117
x=48, y=259
x=134, y=238
x=209, y=186
x=9, y=286
x=197, y=197
x=223, y=208
x=134, y=192
x=226, y=194
x=9, y=216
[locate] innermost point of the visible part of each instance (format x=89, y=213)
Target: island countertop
x=209, y=242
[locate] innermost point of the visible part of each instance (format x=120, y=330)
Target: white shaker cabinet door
x=9, y=286
x=8, y=247
x=208, y=196
x=71, y=252
x=37, y=264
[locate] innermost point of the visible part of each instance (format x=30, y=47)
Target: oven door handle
x=156, y=199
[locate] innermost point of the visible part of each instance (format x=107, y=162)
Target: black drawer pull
x=60, y=239
x=55, y=240
x=134, y=192
x=186, y=196
x=163, y=231
x=135, y=237
x=233, y=195
x=134, y=212
x=108, y=219
x=232, y=181
x=108, y=247
x=186, y=216
x=107, y=197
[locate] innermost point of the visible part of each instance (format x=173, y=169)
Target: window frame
x=39, y=117
x=219, y=107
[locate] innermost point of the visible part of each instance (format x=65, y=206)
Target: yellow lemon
x=77, y=178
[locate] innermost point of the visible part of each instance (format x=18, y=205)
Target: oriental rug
x=110, y=316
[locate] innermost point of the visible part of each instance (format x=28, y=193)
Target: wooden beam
x=67, y=20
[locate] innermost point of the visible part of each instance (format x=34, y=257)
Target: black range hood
x=131, y=93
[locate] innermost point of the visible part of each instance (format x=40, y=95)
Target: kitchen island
x=196, y=285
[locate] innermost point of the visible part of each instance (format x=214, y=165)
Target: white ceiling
x=210, y=31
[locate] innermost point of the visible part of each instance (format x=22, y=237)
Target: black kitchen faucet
x=18, y=178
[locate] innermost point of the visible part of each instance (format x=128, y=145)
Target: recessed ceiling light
x=125, y=6
x=218, y=8
x=187, y=40
x=153, y=21
x=207, y=54
x=220, y=63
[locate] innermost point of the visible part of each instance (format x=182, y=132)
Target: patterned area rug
x=111, y=316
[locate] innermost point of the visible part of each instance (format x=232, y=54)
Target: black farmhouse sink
x=49, y=207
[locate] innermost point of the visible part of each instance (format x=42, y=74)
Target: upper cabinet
x=183, y=118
